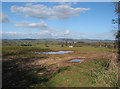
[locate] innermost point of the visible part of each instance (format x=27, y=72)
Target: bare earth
x=56, y=61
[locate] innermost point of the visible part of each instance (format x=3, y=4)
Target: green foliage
x=87, y=73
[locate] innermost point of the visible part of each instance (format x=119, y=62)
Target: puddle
x=59, y=52
x=76, y=60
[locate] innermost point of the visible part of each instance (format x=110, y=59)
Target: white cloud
x=12, y=35
x=67, y=31
x=104, y=35
x=43, y=12
x=65, y=11
x=4, y=18
x=39, y=26
x=56, y=34
x=37, y=11
x=28, y=4
x=66, y=3
x=10, y=32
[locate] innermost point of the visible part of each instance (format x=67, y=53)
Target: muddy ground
x=57, y=61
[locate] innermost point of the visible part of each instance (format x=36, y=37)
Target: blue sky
x=77, y=20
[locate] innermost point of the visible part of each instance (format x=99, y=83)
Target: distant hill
x=28, y=39
x=65, y=39
x=95, y=40
x=85, y=40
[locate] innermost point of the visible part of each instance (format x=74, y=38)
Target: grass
x=83, y=49
x=16, y=73
x=85, y=75
x=16, y=76
x=18, y=50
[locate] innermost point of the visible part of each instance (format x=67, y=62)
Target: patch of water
x=76, y=60
x=59, y=52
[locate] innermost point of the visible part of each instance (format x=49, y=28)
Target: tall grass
x=96, y=73
x=110, y=77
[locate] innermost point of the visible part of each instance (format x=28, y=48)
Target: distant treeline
x=58, y=43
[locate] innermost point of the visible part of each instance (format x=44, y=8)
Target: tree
x=117, y=11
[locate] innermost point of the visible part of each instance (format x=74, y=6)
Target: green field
x=23, y=68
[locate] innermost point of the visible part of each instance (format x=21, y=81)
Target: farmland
x=23, y=68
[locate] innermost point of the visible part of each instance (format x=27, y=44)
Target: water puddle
x=76, y=60
x=59, y=52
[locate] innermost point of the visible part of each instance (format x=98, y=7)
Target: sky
x=76, y=20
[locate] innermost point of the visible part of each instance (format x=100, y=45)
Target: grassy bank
x=97, y=73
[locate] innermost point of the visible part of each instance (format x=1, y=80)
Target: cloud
x=12, y=35
x=39, y=26
x=67, y=31
x=66, y=3
x=37, y=11
x=43, y=12
x=104, y=35
x=10, y=32
x=65, y=11
x=56, y=34
x=28, y=4
x=4, y=18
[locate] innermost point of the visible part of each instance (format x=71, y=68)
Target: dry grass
x=109, y=77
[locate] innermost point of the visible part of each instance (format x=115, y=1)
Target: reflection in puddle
x=59, y=52
x=76, y=60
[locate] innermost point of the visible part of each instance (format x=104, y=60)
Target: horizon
x=57, y=39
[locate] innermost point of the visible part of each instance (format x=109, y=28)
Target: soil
x=56, y=61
